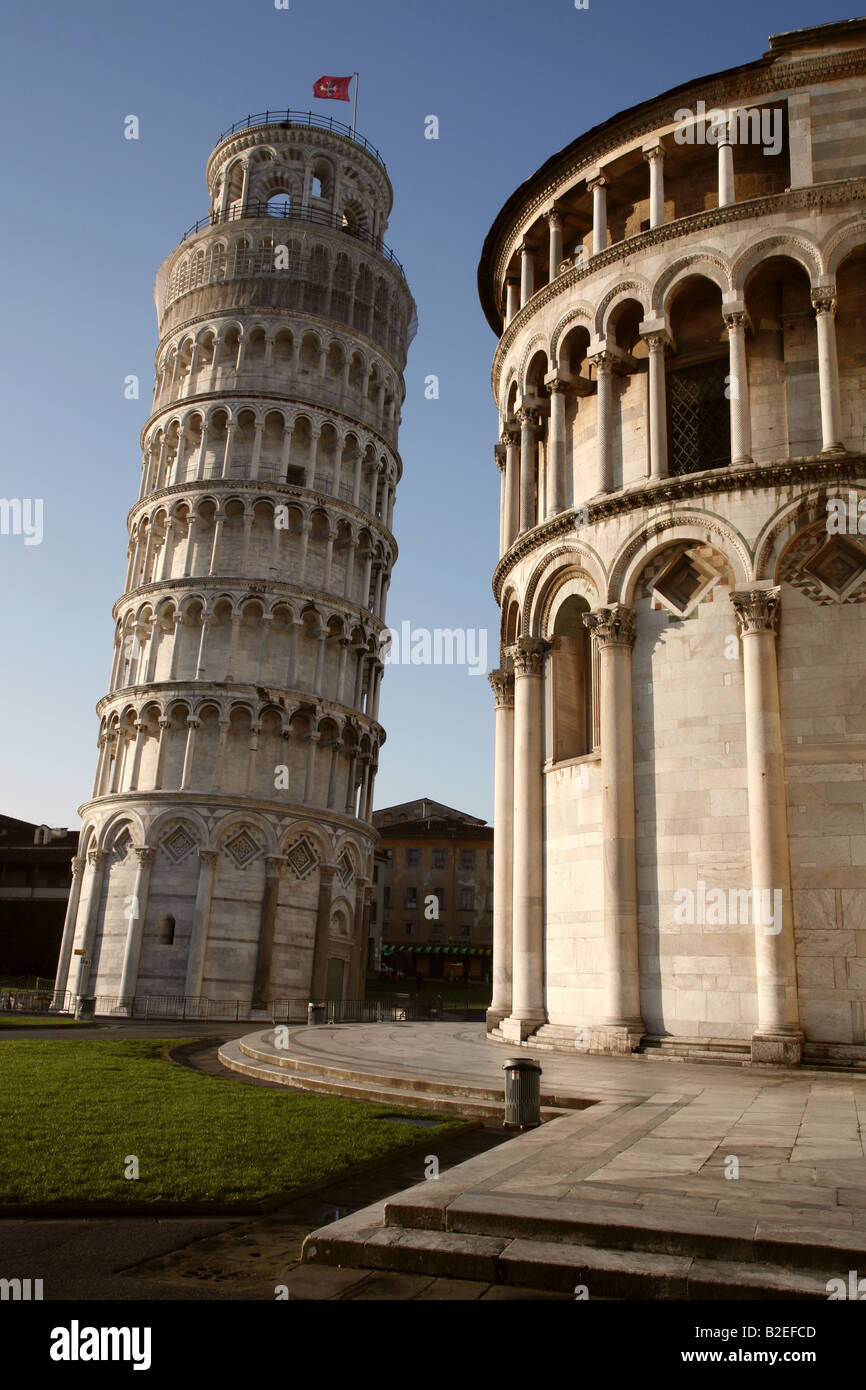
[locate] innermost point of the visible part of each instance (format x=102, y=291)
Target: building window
x=409, y=929
x=386, y=928
x=440, y=859
x=376, y=874
x=467, y=896
x=413, y=858
x=410, y=898
x=386, y=897
x=699, y=417
x=571, y=671
x=467, y=858
x=439, y=895
x=166, y=931
x=373, y=911
x=389, y=854
x=436, y=930
x=465, y=931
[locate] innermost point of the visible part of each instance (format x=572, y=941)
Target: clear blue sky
x=88, y=216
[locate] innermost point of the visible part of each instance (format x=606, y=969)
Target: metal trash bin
x=85, y=1005
x=522, y=1093
x=315, y=1013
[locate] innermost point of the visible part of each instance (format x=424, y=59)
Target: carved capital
x=756, y=610
x=526, y=416
x=208, y=857
x=499, y=456
x=598, y=182
x=656, y=342
x=654, y=153
x=528, y=655
x=824, y=300
x=613, y=626
x=554, y=218
x=97, y=858
x=77, y=865
x=502, y=685
x=735, y=320
x=274, y=864
x=144, y=854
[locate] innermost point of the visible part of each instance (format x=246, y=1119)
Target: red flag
x=332, y=88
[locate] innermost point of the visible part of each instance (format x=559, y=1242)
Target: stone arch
x=240, y=820
x=687, y=526
x=578, y=314
x=851, y=236
x=314, y=832
x=184, y=815
x=128, y=817
x=705, y=262
x=784, y=242
x=637, y=288
x=538, y=343
x=786, y=523
x=576, y=567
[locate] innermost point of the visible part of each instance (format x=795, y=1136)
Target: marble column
x=658, y=421
x=598, y=189
x=323, y=931
x=499, y=454
x=655, y=156
x=527, y=991
x=555, y=479
x=824, y=302
x=78, y=866
x=726, y=172
x=527, y=282
x=526, y=420
x=511, y=440
x=97, y=861
x=603, y=480
x=777, y=1037
x=622, y=1027
x=135, y=931
x=554, y=222
x=738, y=386
x=502, y=684
x=195, y=960
x=262, y=986
x=512, y=299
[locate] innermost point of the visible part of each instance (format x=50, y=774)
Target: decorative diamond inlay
x=302, y=857
x=122, y=845
x=178, y=844
x=837, y=564
x=685, y=581
x=345, y=868
x=243, y=849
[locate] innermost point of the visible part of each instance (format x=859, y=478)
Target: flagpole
x=355, y=112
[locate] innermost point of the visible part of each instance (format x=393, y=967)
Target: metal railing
x=34, y=1001
x=307, y=118
x=291, y=212
x=178, y=1007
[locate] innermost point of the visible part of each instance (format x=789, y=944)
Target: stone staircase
x=256, y=1056
x=472, y=1224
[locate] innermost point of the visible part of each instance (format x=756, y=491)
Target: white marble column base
x=778, y=1049
x=616, y=1039
x=517, y=1030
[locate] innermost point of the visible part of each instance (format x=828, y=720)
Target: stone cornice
x=264, y=487
x=237, y=400
x=296, y=811
x=688, y=488
x=193, y=692
x=753, y=82
x=249, y=589
x=815, y=196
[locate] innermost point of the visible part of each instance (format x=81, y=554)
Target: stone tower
x=225, y=853
x=678, y=297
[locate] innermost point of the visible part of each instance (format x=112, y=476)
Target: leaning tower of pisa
x=225, y=852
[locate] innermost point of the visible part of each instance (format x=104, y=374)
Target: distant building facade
x=433, y=892
x=36, y=867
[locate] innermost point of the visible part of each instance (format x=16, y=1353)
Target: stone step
x=366, y=1088
x=360, y=1241
x=259, y=1048
x=778, y=1242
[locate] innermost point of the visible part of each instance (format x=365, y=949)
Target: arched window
x=571, y=680
x=166, y=931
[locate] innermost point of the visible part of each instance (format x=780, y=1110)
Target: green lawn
x=39, y=1021
x=72, y=1111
